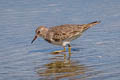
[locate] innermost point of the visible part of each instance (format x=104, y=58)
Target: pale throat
x=44, y=34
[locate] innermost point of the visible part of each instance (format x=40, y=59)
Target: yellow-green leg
x=69, y=49
x=60, y=50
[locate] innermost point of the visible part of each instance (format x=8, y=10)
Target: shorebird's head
x=40, y=32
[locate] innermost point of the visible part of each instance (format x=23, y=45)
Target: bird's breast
x=49, y=41
x=55, y=42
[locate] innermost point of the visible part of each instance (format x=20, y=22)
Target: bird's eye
x=38, y=32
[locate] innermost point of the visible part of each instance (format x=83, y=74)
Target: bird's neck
x=44, y=33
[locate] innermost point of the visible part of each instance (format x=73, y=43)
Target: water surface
x=95, y=56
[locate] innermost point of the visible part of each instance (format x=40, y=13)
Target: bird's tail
x=93, y=23
x=86, y=26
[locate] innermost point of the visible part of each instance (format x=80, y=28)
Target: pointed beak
x=34, y=39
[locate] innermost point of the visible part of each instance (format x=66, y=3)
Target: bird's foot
x=59, y=51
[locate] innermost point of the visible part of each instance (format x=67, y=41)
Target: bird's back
x=68, y=31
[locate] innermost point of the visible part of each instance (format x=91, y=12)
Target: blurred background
x=95, y=55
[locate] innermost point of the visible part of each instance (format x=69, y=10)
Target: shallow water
x=95, y=56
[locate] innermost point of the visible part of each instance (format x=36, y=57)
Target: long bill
x=34, y=39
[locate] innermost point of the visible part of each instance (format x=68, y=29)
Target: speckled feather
x=67, y=32
x=63, y=32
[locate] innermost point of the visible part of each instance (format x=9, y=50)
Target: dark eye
x=38, y=32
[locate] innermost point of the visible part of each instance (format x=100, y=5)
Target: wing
x=68, y=31
x=65, y=32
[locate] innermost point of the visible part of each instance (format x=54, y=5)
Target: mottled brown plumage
x=62, y=34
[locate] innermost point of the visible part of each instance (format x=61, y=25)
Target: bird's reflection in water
x=62, y=67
